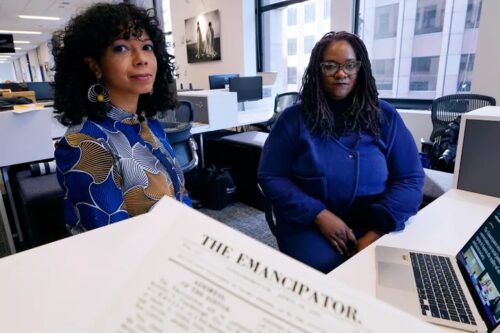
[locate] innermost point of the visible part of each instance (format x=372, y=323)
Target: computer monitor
x=7, y=43
x=478, y=157
x=43, y=90
x=248, y=88
x=219, y=81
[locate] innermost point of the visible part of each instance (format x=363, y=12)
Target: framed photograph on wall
x=203, y=37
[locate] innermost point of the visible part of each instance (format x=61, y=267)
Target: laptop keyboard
x=439, y=291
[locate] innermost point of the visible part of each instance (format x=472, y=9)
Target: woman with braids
x=340, y=167
x=112, y=71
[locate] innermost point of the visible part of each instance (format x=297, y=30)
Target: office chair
x=177, y=126
x=445, y=111
x=281, y=102
x=268, y=212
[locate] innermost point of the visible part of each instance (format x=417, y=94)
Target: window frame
x=399, y=103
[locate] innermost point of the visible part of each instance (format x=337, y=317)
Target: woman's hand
x=370, y=237
x=337, y=232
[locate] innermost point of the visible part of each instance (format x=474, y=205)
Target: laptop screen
x=481, y=259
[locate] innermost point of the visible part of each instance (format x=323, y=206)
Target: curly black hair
x=364, y=109
x=87, y=36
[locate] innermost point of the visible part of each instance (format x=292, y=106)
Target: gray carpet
x=239, y=216
x=246, y=219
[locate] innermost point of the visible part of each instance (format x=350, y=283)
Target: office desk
x=443, y=226
x=218, y=109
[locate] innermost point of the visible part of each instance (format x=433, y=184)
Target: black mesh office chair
x=446, y=110
x=177, y=126
x=281, y=102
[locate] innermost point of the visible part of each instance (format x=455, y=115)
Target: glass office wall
x=420, y=49
x=288, y=36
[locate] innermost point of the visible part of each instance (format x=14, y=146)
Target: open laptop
x=461, y=292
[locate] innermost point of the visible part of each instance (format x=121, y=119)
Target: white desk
x=218, y=109
x=443, y=226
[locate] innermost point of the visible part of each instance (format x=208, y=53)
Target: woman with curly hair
x=340, y=167
x=112, y=75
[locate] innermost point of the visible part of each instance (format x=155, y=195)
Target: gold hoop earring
x=98, y=93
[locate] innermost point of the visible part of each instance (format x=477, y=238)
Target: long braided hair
x=364, y=110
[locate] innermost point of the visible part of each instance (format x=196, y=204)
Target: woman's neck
x=340, y=105
x=127, y=103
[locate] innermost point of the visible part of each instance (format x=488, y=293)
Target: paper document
x=205, y=277
x=23, y=108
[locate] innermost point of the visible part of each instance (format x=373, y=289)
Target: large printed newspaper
x=205, y=277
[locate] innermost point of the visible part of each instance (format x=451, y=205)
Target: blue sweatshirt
x=370, y=183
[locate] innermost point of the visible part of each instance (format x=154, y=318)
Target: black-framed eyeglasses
x=349, y=67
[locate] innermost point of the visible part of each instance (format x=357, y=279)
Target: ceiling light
x=21, y=42
x=32, y=17
x=20, y=32
x=17, y=48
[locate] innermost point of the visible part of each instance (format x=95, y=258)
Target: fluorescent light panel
x=34, y=17
x=21, y=42
x=20, y=32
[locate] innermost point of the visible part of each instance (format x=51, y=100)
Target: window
x=473, y=14
x=310, y=12
x=292, y=46
x=421, y=65
x=386, y=21
x=383, y=70
x=408, y=39
x=424, y=73
x=309, y=42
x=167, y=28
x=292, y=16
x=283, y=47
x=292, y=75
x=327, y=9
x=465, y=72
x=430, y=16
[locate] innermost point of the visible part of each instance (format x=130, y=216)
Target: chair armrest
x=426, y=146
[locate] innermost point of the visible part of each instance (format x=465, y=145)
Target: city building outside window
x=386, y=21
x=292, y=16
x=279, y=54
x=292, y=75
x=327, y=9
x=473, y=14
x=383, y=69
x=424, y=73
x=430, y=45
x=309, y=42
x=309, y=12
x=292, y=46
x=465, y=74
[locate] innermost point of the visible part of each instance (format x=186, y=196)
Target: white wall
x=486, y=69
x=46, y=61
x=34, y=65
x=419, y=123
x=7, y=72
x=237, y=39
x=18, y=71
x=24, y=69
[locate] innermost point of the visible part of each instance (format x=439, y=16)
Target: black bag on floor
x=219, y=189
